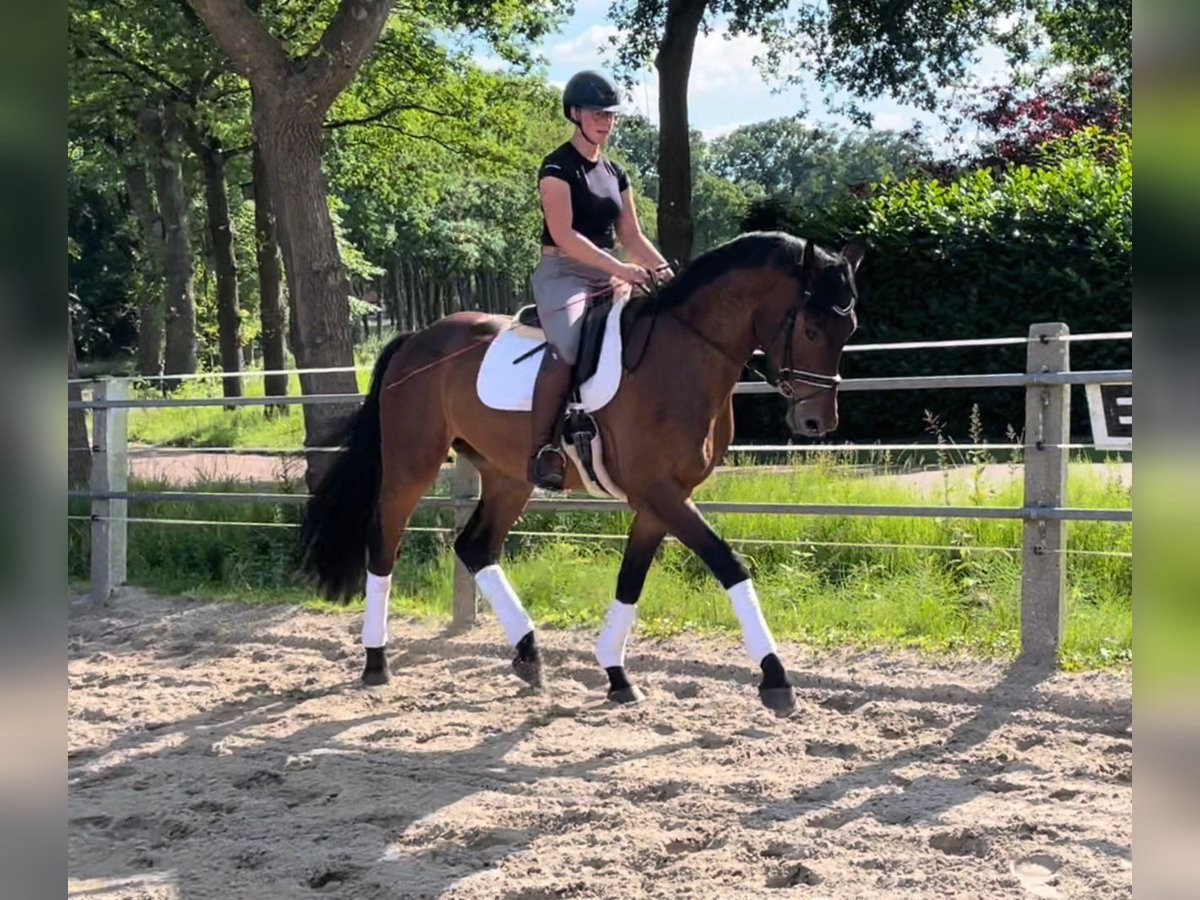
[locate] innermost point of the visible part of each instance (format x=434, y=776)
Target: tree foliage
x=983, y=255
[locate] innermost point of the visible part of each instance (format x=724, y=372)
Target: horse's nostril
x=812, y=425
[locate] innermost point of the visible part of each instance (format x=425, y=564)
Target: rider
x=586, y=201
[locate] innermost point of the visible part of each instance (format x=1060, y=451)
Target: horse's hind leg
x=645, y=536
x=502, y=500
x=406, y=475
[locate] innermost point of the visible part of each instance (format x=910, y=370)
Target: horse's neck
x=710, y=339
x=727, y=318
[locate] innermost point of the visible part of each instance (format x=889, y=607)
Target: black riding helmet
x=590, y=90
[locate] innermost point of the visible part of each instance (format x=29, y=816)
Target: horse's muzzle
x=815, y=416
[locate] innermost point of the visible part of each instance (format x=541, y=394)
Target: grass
x=964, y=598
x=248, y=426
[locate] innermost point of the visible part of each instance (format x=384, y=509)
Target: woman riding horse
x=585, y=199
x=664, y=430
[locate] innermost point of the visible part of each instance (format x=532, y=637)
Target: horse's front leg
x=683, y=520
x=645, y=536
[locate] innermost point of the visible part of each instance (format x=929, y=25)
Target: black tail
x=342, y=509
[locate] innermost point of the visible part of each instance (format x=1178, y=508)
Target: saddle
x=577, y=429
x=591, y=339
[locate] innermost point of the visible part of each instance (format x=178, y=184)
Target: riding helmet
x=590, y=90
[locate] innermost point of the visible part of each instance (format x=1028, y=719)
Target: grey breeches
x=560, y=289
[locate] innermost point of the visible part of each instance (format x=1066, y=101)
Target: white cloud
x=721, y=62
x=717, y=131
x=892, y=121
x=583, y=49
x=490, y=63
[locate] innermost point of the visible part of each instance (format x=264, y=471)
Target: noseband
x=787, y=377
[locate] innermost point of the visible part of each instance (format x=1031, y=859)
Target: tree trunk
x=290, y=99
x=674, y=64
x=180, y=355
x=290, y=140
x=274, y=349
x=220, y=231
x=150, y=304
x=79, y=451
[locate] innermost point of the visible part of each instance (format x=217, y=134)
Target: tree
x=153, y=66
x=1015, y=123
x=291, y=97
x=864, y=47
x=1095, y=35
x=269, y=281
x=163, y=133
x=789, y=158
x=79, y=451
x=292, y=94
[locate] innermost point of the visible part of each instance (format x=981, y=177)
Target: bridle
x=785, y=378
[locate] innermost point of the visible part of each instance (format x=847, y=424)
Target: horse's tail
x=342, y=508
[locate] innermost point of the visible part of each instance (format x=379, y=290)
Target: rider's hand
x=634, y=274
x=662, y=272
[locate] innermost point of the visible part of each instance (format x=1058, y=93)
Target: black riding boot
x=547, y=465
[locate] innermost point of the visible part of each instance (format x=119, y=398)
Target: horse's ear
x=854, y=251
x=808, y=262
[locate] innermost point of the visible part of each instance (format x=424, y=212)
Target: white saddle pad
x=503, y=385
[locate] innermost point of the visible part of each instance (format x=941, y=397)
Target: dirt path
x=228, y=751
x=191, y=468
x=194, y=468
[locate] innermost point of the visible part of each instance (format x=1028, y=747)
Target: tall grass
x=825, y=580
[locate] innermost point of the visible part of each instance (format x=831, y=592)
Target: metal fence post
x=464, y=487
x=1047, y=431
x=110, y=472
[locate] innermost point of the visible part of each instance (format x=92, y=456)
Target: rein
x=783, y=379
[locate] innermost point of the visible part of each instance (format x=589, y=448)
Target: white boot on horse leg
x=775, y=692
x=610, y=652
x=517, y=625
x=374, y=628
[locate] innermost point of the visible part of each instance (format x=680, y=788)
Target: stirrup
x=548, y=480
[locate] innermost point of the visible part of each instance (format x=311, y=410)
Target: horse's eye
x=810, y=333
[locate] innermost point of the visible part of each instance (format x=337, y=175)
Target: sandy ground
x=229, y=751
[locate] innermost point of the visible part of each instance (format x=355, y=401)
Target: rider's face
x=597, y=124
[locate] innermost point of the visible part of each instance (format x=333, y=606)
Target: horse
x=766, y=294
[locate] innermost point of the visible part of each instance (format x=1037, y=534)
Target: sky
x=725, y=90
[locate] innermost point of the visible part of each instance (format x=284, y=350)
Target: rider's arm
x=556, y=204
x=629, y=232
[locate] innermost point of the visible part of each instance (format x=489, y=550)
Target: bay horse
x=663, y=432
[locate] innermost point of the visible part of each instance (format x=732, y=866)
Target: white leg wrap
x=610, y=647
x=504, y=602
x=374, y=627
x=755, y=634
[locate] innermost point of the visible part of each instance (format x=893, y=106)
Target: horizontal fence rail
x=905, y=383
x=715, y=507
x=1047, y=382
x=853, y=348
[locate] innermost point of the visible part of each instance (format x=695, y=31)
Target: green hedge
x=983, y=256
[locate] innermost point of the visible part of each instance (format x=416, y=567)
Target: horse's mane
x=748, y=251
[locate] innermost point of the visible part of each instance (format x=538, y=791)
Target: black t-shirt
x=595, y=194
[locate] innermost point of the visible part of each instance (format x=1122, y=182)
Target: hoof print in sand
x=827, y=750
x=959, y=843
x=1038, y=874
x=794, y=875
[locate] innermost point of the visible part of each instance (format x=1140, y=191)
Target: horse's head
x=804, y=353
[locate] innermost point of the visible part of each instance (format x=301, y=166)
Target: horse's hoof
x=376, y=672
x=631, y=694
x=780, y=700
x=529, y=671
